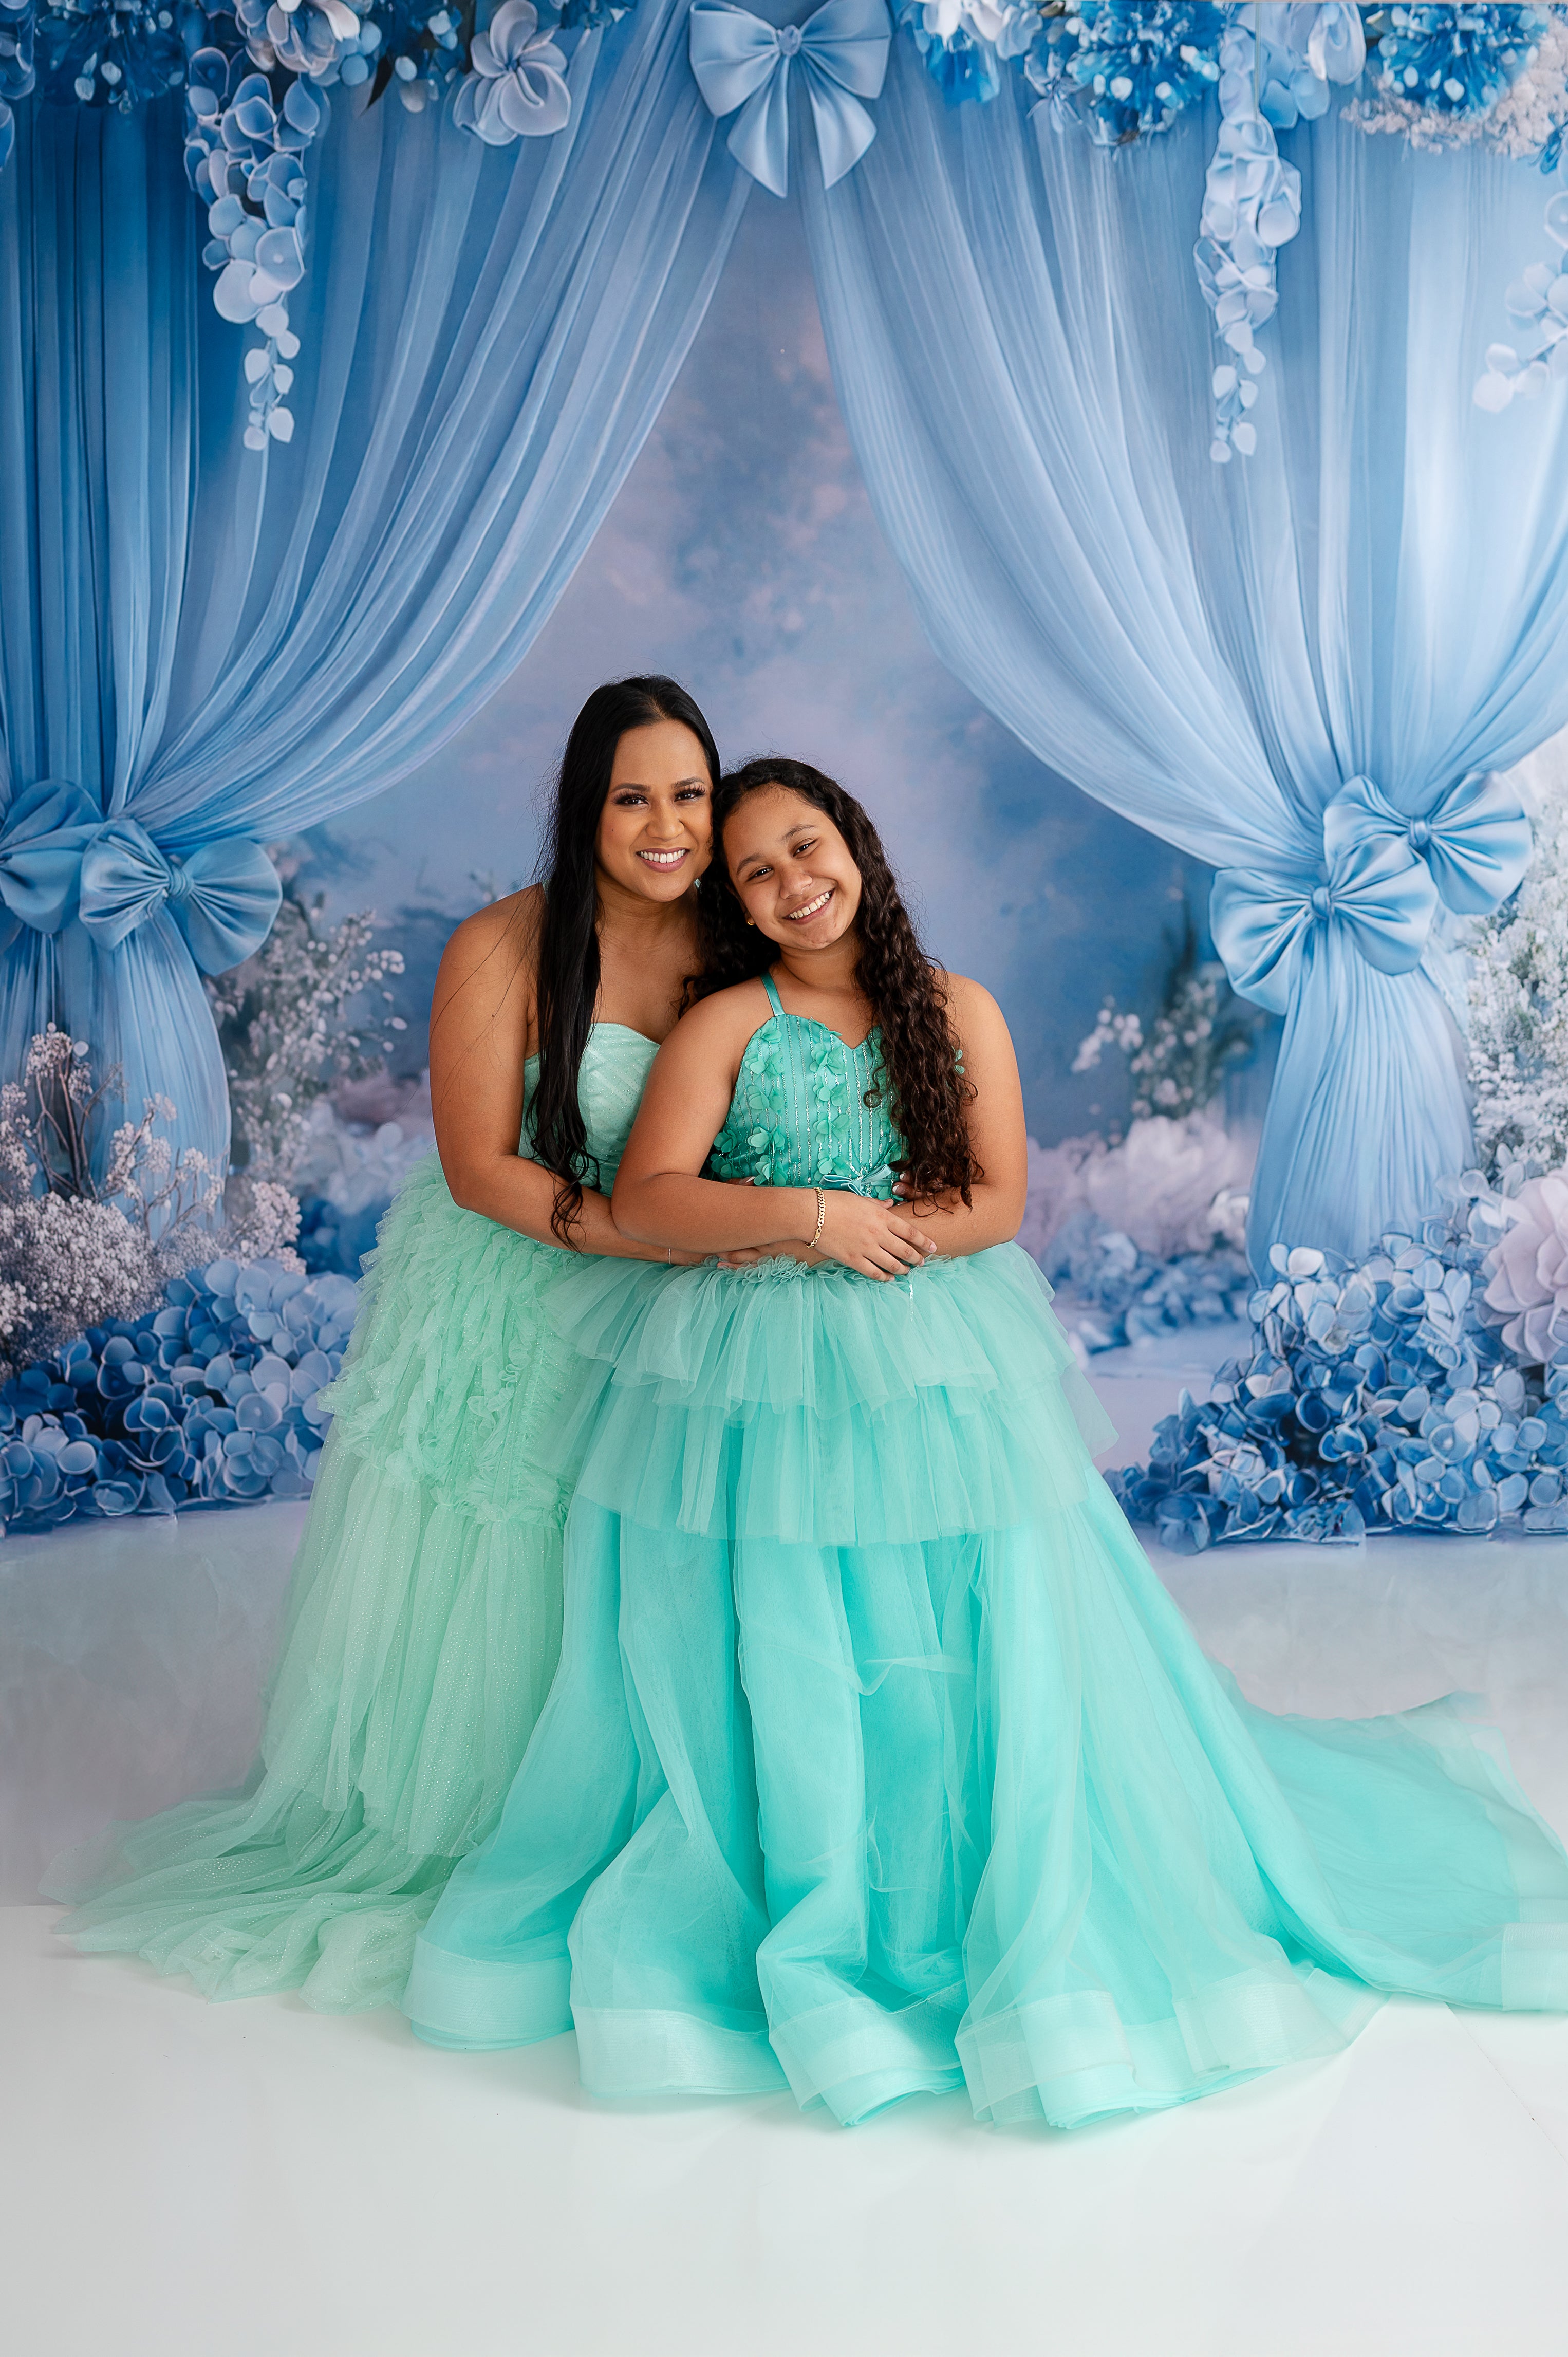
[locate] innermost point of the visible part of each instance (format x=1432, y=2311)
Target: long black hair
x=909, y=1007
x=568, y=942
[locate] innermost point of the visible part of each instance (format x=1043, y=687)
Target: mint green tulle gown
x=422, y=1628
x=878, y=1759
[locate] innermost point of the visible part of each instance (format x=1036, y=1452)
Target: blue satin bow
x=1383, y=876
x=42, y=838
x=223, y=896
x=740, y=61
x=60, y=858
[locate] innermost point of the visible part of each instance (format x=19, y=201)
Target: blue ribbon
x=42, y=838
x=60, y=858
x=1382, y=877
x=223, y=897
x=1476, y=839
x=740, y=61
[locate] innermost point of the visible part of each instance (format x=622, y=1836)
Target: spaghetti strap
x=773, y=1000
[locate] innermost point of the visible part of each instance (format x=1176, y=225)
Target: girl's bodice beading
x=809, y=1110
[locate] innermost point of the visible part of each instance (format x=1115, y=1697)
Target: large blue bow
x=60, y=858
x=1383, y=877
x=223, y=896
x=740, y=61
x=42, y=838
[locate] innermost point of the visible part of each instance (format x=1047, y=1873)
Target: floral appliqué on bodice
x=808, y=1111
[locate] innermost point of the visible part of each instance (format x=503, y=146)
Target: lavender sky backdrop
x=743, y=556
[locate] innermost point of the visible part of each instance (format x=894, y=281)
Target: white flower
x=1528, y=1271
x=288, y=1028
x=517, y=89
x=1517, y=1007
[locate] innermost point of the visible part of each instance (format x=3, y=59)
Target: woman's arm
x=995, y=1129
x=661, y=1197
x=480, y=1025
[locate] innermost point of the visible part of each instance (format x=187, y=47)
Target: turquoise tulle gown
x=878, y=1759
x=423, y=1628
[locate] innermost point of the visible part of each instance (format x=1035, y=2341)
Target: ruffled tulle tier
x=900, y=1794
x=814, y=1404
x=454, y=1373
x=423, y=1631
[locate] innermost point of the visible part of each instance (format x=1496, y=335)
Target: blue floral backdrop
x=460, y=264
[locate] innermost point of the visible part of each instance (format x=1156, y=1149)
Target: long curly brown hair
x=909, y=1008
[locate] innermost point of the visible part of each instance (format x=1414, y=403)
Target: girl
x=425, y=1617
x=879, y=1759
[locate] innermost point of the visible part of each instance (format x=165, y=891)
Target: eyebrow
x=637, y=786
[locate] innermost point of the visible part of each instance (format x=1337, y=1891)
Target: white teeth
x=798, y=916
x=662, y=858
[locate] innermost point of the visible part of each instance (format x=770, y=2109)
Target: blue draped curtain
x=1300, y=666
x=201, y=646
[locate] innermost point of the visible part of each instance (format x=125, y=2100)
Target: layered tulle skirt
x=879, y=1761
x=421, y=1635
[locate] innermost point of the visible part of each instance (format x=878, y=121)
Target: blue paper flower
x=214, y=1399
x=1457, y=60
x=1138, y=68
x=1376, y=1399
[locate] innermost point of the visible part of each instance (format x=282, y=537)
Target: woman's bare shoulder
x=492, y=958
x=504, y=933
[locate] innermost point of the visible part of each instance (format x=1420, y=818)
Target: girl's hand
x=877, y=1239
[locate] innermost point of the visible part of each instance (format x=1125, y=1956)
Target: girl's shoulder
x=978, y=1025
x=713, y=1035
x=738, y=1010
x=969, y=1001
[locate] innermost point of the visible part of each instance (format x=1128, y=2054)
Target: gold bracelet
x=821, y=1215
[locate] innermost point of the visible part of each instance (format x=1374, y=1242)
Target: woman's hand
x=877, y=1239
x=747, y=1255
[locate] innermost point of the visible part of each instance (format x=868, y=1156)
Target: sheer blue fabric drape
x=211, y=646
x=1379, y=594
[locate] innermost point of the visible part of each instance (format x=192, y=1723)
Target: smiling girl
x=879, y=1761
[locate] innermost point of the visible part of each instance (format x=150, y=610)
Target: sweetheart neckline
x=629, y=1030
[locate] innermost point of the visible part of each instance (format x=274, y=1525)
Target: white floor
x=256, y=2181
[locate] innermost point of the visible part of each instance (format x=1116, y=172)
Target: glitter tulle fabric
x=422, y=1628
x=878, y=1759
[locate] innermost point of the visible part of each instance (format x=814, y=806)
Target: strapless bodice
x=610, y=1081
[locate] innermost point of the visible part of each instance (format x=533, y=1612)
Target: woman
x=424, y=1622
x=879, y=1759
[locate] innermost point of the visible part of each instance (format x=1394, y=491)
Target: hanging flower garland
x=1437, y=76
x=256, y=77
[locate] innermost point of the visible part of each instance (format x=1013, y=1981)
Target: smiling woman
x=424, y=1619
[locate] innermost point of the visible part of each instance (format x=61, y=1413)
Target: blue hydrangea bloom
x=1457, y=60
x=1127, y=1294
x=1376, y=1399
x=212, y=1400
x=1138, y=67
x=331, y=1241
